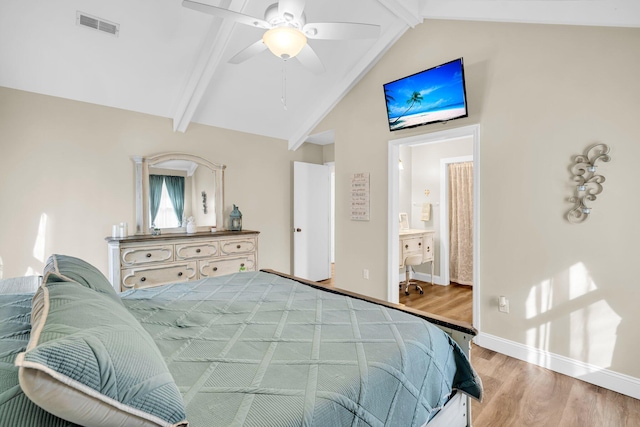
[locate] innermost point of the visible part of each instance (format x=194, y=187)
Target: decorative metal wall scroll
x=589, y=184
x=204, y=202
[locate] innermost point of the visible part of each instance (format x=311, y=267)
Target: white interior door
x=311, y=221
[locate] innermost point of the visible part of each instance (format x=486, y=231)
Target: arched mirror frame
x=142, y=165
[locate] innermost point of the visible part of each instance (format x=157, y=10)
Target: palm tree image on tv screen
x=433, y=95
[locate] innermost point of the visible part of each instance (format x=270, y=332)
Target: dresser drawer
x=237, y=246
x=179, y=257
x=412, y=246
x=154, y=276
x=227, y=266
x=196, y=250
x=416, y=243
x=428, y=247
x=146, y=255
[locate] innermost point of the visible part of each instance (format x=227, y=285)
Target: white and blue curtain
x=175, y=188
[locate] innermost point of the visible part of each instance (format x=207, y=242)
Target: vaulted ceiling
x=171, y=61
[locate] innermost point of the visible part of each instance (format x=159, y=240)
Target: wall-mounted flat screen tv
x=430, y=96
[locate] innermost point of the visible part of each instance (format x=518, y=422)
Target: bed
x=246, y=349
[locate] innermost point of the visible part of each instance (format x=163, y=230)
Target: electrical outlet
x=503, y=304
x=365, y=274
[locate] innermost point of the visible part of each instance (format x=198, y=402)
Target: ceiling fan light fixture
x=284, y=42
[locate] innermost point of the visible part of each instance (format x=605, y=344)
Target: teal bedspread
x=256, y=349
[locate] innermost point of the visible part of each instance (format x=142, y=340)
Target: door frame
x=332, y=210
x=393, y=255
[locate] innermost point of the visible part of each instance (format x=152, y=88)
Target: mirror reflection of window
x=166, y=201
x=185, y=177
x=166, y=216
x=167, y=198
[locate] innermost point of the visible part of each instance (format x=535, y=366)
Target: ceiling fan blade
x=226, y=14
x=294, y=7
x=252, y=50
x=340, y=30
x=309, y=59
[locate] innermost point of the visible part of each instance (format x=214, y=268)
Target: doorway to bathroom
x=434, y=180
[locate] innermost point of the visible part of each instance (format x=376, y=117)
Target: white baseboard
x=423, y=277
x=611, y=380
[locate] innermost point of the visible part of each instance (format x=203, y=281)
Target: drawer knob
x=149, y=255
x=215, y=268
x=197, y=251
x=180, y=274
x=406, y=246
x=143, y=279
x=242, y=265
x=238, y=247
x=419, y=243
x=428, y=249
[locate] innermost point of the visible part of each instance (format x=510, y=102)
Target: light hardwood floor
x=518, y=393
x=453, y=301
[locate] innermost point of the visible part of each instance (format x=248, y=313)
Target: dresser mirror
x=171, y=188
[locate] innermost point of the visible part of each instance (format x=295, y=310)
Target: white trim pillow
x=80, y=271
x=90, y=362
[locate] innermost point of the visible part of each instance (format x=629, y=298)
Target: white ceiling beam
x=614, y=13
x=410, y=11
x=341, y=88
x=205, y=67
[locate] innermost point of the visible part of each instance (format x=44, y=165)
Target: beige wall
x=541, y=95
x=328, y=153
x=204, y=180
x=69, y=162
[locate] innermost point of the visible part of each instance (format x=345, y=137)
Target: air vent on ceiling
x=96, y=23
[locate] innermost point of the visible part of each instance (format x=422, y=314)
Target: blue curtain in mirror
x=155, y=194
x=175, y=188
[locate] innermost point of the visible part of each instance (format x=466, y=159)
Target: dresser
x=144, y=260
x=416, y=242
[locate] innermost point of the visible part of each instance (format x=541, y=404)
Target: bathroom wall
x=425, y=175
x=405, y=182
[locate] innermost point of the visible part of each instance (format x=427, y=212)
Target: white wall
x=405, y=180
x=541, y=95
x=67, y=176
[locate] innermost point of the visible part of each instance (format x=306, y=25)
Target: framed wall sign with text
x=360, y=197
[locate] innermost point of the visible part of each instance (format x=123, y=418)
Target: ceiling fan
x=288, y=31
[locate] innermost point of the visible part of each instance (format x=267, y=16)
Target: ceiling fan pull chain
x=284, y=85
